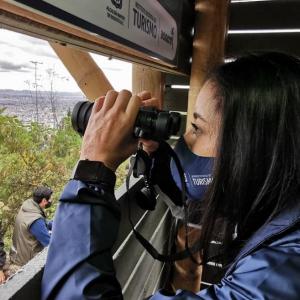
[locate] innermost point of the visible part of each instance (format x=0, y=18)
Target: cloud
x=18, y=50
x=112, y=69
x=32, y=40
x=6, y=66
x=48, y=52
x=26, y=44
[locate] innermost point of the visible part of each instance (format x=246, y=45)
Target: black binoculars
x=151, y=123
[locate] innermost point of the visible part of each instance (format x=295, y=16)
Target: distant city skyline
x=19, y=54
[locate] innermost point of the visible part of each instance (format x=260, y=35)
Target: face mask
x=48, y=204
x=197, y=171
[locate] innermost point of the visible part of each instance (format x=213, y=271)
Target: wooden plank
x=239, y=44
x=145, y=78
x=279, y=14
x=208, y=51
x=89, y=77
x=208, y=45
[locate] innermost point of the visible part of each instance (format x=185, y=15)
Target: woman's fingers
x=144, y=95
x=122, y=100
x=133, y=108
x=103, y=140
x=154, y=102
x=109, y=101
x=148, y=100
x=98, y=104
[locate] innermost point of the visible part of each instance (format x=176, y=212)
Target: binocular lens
x=150, y=123
x=80, y=116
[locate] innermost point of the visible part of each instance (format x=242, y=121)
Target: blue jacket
x=40, y=230
x=80, y=266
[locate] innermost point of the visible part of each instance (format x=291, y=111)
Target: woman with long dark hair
x=257, y=166
x=248, y=114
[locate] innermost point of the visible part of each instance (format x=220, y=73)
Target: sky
x=18, y=51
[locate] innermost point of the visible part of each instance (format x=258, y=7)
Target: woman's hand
x=148, y=145
x=109, y=134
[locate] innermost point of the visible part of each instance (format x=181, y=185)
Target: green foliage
x=31, y=156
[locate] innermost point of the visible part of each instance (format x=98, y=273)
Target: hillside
x=51, y=107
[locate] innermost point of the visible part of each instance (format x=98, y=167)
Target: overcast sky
x=17, y=71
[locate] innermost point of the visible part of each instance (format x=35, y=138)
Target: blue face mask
x=197, y=171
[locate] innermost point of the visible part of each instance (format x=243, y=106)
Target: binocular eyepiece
x=151, y=123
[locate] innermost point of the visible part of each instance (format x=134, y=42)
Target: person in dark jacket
x=253, y=104
x=31, y=230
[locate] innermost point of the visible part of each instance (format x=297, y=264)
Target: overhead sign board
x=144, y=25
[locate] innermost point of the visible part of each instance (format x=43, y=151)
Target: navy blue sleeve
x=40, y=231
x=79, y=263
x=49, y=224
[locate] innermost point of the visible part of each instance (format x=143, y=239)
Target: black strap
x=188, y=252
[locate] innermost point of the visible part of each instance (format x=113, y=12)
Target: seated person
x=31, y=230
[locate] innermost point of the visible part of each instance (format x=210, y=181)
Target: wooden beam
x=145, y=78
x=208, y=45
x=89, y=77
x=279, y=14
x=208, y=51
x=237, y=44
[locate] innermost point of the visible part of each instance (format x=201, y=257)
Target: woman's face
x=202, y=138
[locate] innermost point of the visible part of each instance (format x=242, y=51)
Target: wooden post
x=208, y=51
x=208, y=45
x=89, y=77
x=145, y=78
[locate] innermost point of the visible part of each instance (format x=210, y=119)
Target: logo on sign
x=168, y=37
x=115, y=13
x=117, y=3
x=144, y=20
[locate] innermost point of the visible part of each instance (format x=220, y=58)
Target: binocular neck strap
x=188, y=252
